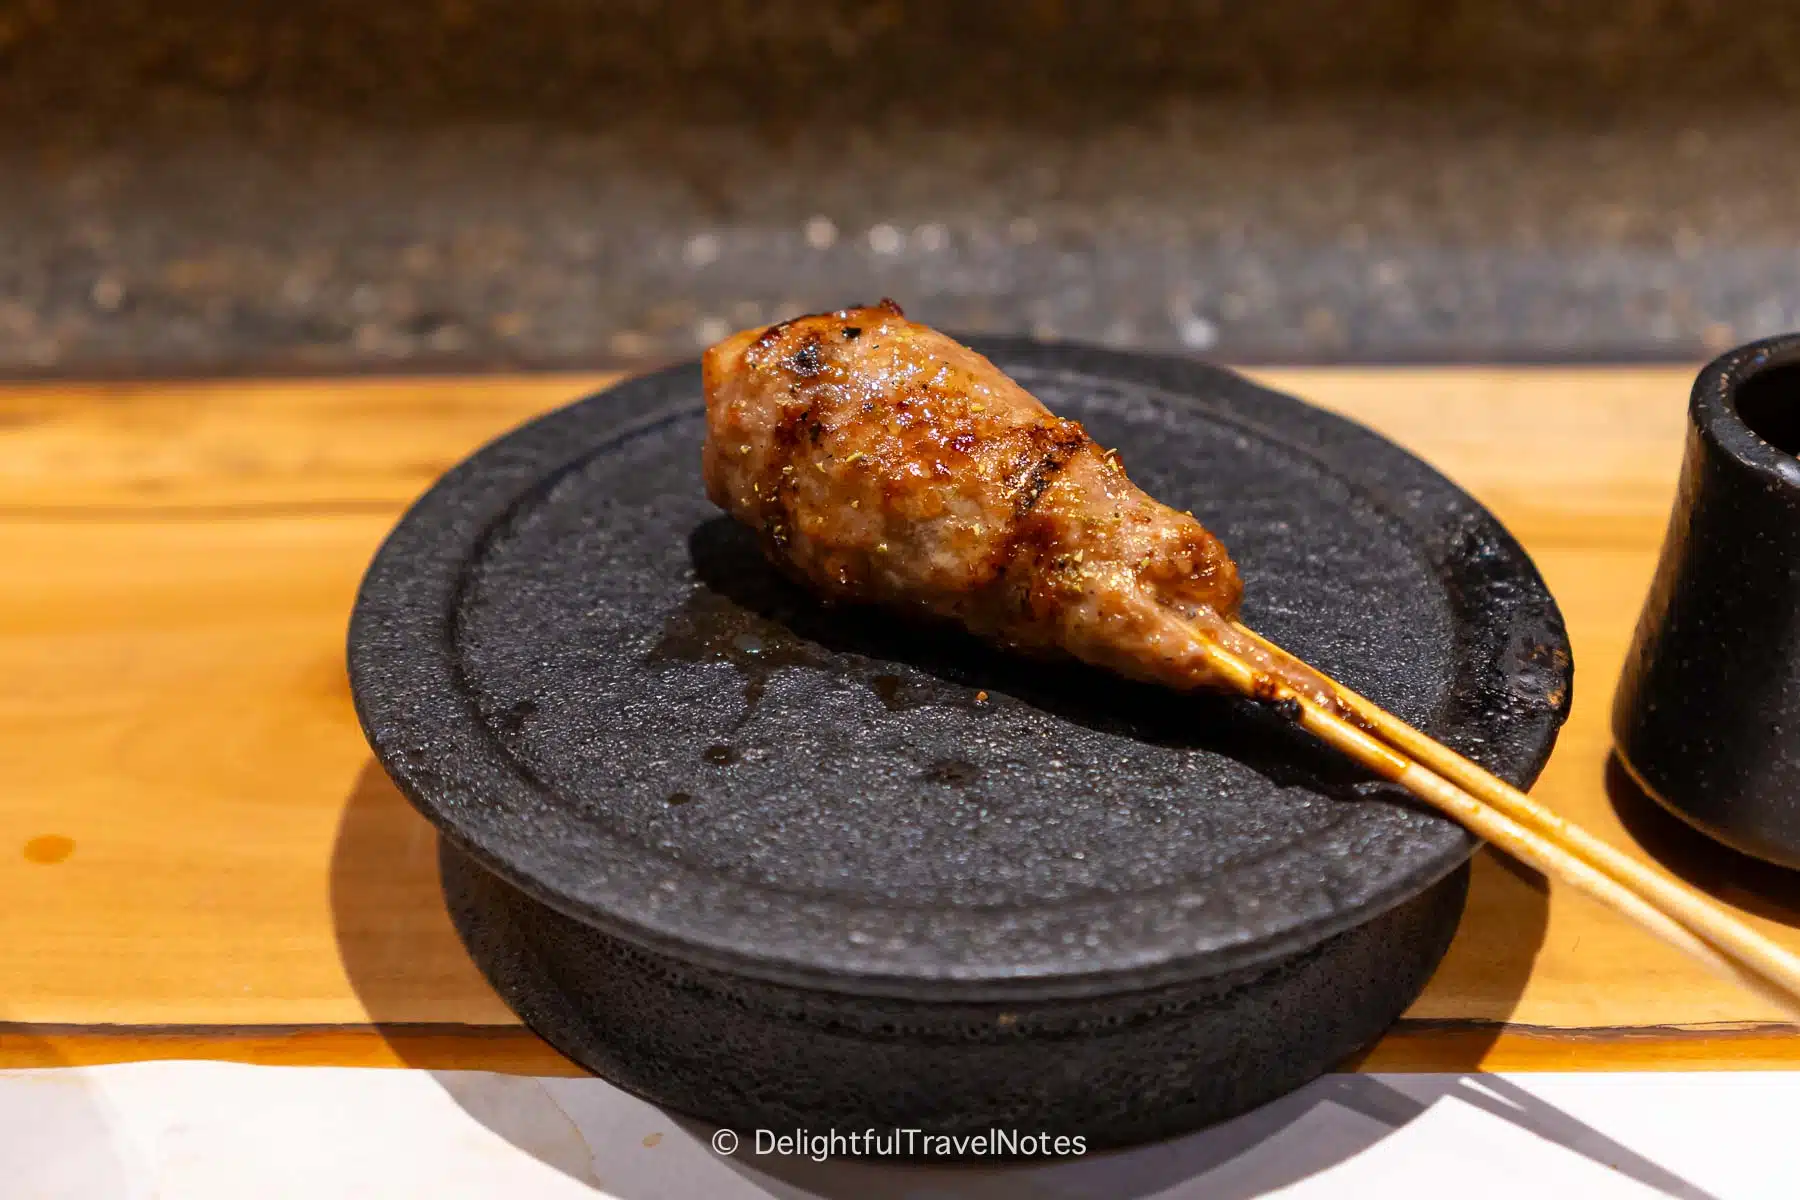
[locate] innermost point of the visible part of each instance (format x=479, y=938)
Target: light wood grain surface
x=195, y=837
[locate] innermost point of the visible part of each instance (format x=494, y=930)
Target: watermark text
x=822, y=1145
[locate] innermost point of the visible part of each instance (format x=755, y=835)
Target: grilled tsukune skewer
x=883, y=462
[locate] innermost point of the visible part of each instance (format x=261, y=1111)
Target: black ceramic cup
x=1707, y=716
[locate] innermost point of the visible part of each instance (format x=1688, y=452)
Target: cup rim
x=1714, y=406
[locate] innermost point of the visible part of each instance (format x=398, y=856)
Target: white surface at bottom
x=218, y=1131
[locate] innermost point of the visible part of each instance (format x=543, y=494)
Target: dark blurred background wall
x=444, y=184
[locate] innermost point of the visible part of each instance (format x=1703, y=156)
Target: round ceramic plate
x=593, y=684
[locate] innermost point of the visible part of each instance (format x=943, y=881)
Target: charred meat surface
x=882, y=462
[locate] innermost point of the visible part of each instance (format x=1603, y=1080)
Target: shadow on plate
x=745, y=602
x=409, y=970
x=1725, y=874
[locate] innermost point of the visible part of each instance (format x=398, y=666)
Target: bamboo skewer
x=1500, y=814
x=1690, y=907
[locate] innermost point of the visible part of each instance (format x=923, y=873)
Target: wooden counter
x=198, y=856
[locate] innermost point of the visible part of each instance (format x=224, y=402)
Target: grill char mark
x=807, y=361
x=1028, y=541
x=1053, y=446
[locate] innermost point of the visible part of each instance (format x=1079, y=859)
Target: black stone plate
x=758, y=859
